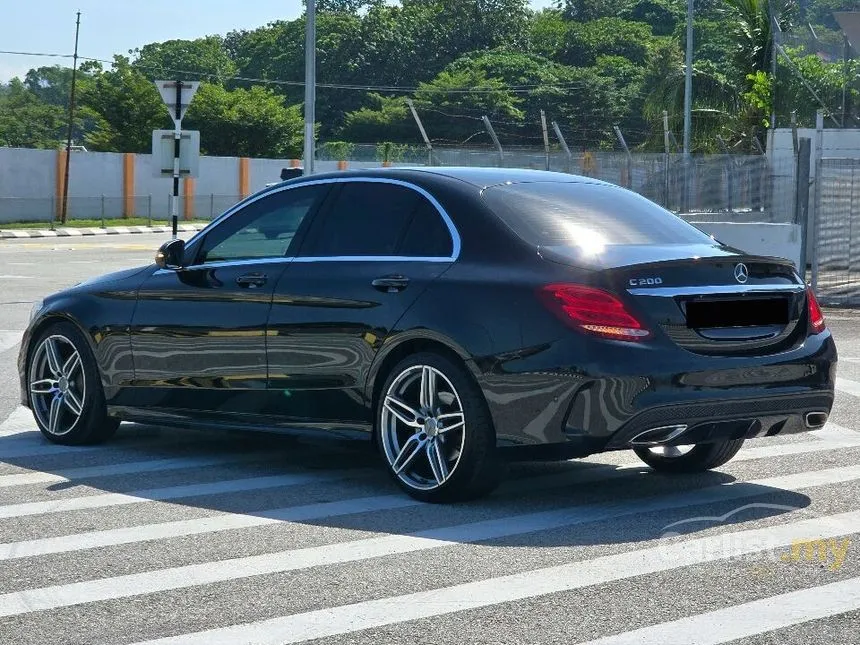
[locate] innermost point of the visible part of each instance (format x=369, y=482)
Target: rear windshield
x=562, y=214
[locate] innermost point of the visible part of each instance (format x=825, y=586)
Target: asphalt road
x=179, y=537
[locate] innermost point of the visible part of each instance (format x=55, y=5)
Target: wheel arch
x=48, y=320
x=407, y=345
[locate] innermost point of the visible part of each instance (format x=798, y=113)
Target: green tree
x=253, y=122
x=585, y=42
x=129, y=108
x=203, y=58
x=52, y=85
x=28, y=122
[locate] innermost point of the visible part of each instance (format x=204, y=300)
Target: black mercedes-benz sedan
x=460, y=317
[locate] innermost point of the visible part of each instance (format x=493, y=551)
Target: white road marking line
x=126, y=468
x=8, y=339
x=748, y=619
x=847, y=386
x=347, y=619
x=162, y=494
x=296, y=559
x=227, y=521
x=17, y=423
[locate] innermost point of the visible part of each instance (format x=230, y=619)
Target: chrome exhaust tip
x=815, y=419
x=658, y=436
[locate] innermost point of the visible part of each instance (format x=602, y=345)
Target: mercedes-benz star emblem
x=742, y=274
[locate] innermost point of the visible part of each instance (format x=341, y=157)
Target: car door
x=198, y=334
x=369, y=254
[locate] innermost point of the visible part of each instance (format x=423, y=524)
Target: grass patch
x=97, y=223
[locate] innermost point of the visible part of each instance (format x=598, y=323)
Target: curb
x=81, y=232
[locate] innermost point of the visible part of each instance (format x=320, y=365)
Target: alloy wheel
x=423, y=427
x=57, y=385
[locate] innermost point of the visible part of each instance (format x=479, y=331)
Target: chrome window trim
x=706, y=290
x=456, y=243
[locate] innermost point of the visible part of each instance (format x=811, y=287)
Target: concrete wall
x=28, y=180
x=30, y=191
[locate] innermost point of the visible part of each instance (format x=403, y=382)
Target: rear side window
x=561, y=214
x=427, y=235
x=377, y=219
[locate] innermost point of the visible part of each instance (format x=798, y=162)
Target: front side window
x=369, y=219
x=264, y=228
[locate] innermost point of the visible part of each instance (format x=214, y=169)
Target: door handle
x=391, y=283
x=252, y=280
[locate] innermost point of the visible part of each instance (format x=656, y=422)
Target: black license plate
x=754, y=312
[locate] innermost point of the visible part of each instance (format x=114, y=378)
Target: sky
x=111, y=27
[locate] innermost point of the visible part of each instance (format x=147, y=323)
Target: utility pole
x=310, y=85
x=774, y=30
x=71, y=124
x=688, y=79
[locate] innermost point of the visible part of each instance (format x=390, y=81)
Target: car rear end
x=674, y=338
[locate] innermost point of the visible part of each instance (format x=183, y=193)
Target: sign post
x=177, y=97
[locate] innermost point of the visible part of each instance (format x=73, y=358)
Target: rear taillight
x=816, y=316
x=593, y=311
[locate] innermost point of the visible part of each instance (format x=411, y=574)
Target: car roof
x=479, y=177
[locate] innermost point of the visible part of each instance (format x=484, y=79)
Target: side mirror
x=170, y=255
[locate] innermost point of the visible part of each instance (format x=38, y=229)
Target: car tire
x=444, y=451
x=699, y=458
x=66, y=395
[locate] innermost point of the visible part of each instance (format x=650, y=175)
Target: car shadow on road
x=598, y=503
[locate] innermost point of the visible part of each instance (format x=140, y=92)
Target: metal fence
x=742, y=188
x=836, y=233
x=145, y=209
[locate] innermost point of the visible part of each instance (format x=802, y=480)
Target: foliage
x=203, y=58
x=588, y=65
x=129, y=108
x=247, y=123
x=27, y=122
x=340, y=150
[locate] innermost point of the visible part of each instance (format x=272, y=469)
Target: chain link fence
x=836, y=246
x=741, y=188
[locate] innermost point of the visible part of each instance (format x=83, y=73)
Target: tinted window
x=265, y=228
x=365, y=219
x=427, y=235
x=549, y=214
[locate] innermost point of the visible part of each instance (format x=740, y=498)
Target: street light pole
x=688, y=79
x=310, y=84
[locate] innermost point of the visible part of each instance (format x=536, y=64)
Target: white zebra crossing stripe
x=748, y=619
x=227, y=521
x=848, y=386
x=127, y=468
x=8, y=339
x=161, y=494
x=18, y=422
x=297, y=559
x=346, y=619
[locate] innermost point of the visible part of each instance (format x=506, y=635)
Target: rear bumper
x=721, y=420
x=621, y=390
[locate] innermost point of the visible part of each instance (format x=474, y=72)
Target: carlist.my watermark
x=760, y=548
